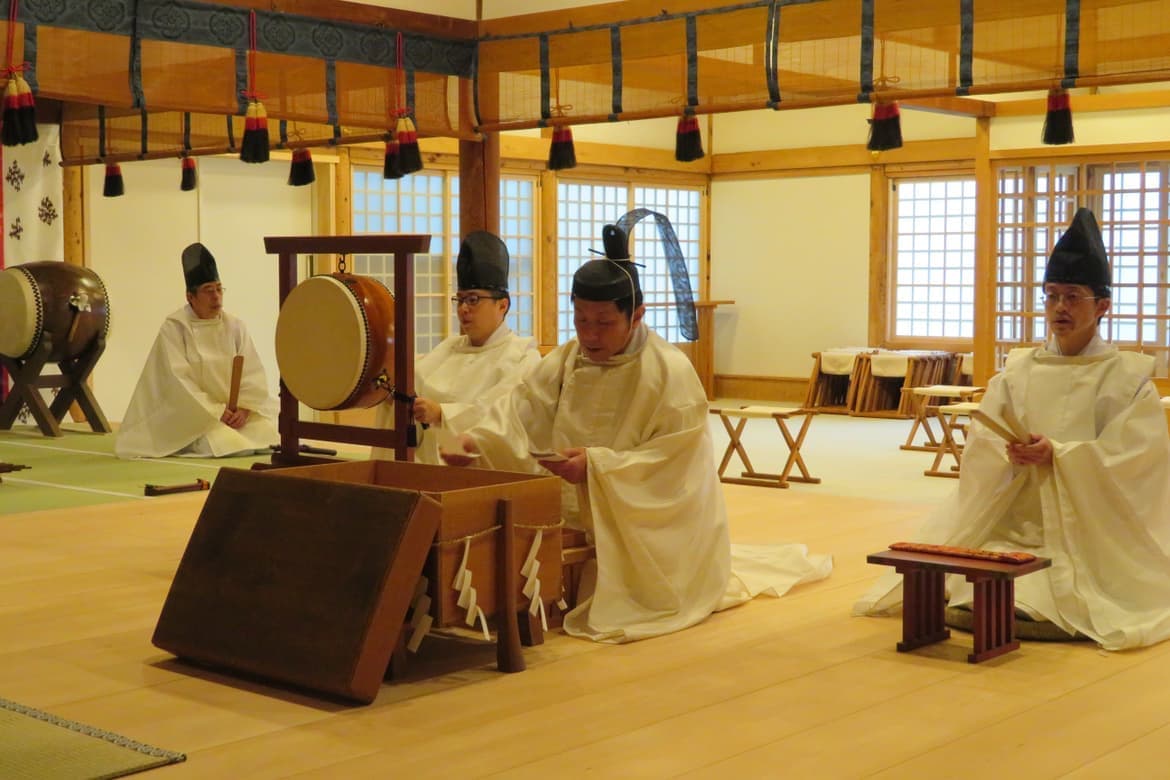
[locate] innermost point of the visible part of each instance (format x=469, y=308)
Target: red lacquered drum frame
x=70, y=322
x=403, y=248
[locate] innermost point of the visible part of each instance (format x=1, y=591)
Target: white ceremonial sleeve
x=515, y=363
x=522, y=420
x=1107, y=503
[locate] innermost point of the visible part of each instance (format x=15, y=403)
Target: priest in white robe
x=1090, y=488
x=180, y=404
x=457, y=381
x=621, y=416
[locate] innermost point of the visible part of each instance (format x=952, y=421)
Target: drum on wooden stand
x=52, y=301
x=335, y=342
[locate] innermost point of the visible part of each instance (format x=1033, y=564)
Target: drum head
x=322, y=342
x=20, y=313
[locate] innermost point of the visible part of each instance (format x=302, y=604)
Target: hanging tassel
x=113, y=185
x=561, y=154
x=188, y=178
x=1058, y=125
x=688, y=140
x=20, y=113
x=254, y=147
x=392, y=162
x=885, y=128
x=301, y=171
x=408, y=154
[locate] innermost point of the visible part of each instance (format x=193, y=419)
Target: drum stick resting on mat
x=237, y=375
x=165, y=490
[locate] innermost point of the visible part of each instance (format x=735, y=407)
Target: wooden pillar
x=73, y=224
x=479, y=184
x=985, y=254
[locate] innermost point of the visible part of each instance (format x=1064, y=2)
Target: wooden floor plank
x=792, y=687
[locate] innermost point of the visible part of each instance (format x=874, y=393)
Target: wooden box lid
x=299, y=581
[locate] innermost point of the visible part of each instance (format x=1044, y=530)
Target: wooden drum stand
x=27, y=383
x=403, y=248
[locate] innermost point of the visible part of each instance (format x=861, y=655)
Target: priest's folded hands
x=1037, y=452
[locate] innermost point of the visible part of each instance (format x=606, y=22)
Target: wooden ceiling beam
x=955, y=106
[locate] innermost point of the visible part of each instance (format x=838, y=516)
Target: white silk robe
x=652, y=502
x=1101, y=511
x=465, y=380
x=183, y=391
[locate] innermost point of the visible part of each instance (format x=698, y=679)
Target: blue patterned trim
x=101, y=131
x=209, y=24
x=615, y=48
x=692, y=62
x=966, y=45
x=331, y=91
x=30, y=56
x=772, y=54
x=1072, y=44
x=866, y=51
x=545, y=88
x=241, y=80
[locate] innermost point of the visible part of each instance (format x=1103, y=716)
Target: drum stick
x=1014, y=423
x=996, y=428
x=237, y=375
x=165, y=490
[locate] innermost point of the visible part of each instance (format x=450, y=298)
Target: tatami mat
x=79, y=469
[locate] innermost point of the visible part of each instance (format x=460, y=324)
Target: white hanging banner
x=34, y=185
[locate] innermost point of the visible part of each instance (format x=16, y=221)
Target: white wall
x=135, y=242
x=794, y=256
x=748, y=131
x=1100, y=127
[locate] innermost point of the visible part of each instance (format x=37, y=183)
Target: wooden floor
x=790, y=687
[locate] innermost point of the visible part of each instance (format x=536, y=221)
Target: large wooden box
x=299, y=580
x=467, y=501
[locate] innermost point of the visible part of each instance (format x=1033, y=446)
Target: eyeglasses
x=1072, y=299
x=473, y=299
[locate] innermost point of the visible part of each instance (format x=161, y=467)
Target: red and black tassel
x=561, y=152
x=187, y=179
x=254, y=147
x=113, y=186
x=20, y=113
x=392, y=162
x=301, y=171
x=688, y=140
x=885, y=128
x=409, y=156
x=1058, y=125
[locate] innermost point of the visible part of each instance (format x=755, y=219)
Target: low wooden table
x=735, y=445
x=924, y=598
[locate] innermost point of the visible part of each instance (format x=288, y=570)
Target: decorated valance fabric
x=155, y=66
x=805, y=53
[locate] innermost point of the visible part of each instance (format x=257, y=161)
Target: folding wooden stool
x=924, y=401
x=735, y=445
x=948, y=417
